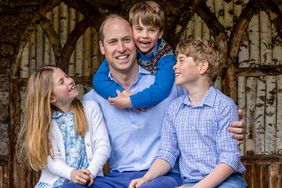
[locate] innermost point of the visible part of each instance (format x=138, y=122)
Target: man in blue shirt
x=134, y=136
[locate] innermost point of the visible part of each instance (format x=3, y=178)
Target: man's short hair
x=107, y=18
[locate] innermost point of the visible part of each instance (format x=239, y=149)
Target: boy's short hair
x=148, y=13
x=202, y=50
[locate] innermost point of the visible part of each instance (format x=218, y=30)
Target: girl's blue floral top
x=74, y=146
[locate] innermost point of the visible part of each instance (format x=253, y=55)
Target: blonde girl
x=66, y=139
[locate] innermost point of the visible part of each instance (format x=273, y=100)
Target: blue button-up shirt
x=134, y=136
x=198, y=135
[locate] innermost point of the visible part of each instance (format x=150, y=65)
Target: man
x=134, y=136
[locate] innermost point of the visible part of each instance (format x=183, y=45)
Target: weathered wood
x=250, y=114
x=259, y=124
x=270, y=115
x=79, y=50
x=87, y=52
x=63, y=23
x=95, y=52
x=39, y=46
x=72, y=23
x=52, y=35
x=25, y=62
x=242, y=105
x=279, y=117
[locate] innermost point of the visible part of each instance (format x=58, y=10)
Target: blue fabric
x=122, y=180
x=74, y=145
x=198, y=135
x=134, y=136
x=149, y=97
x=233, y=181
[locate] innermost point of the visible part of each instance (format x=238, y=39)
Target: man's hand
x=121, y=101
x=137, y=182
x=81, y=176
x=237, y=128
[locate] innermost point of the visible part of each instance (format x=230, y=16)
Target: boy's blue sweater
x=164, y=78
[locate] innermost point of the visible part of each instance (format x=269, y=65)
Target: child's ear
x=102, y=49
x=161, y=34
x=204, y=66
x=52, y=99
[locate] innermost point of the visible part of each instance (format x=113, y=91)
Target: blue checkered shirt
x=197, y=135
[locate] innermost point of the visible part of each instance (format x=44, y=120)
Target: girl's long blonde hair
x=38, y=120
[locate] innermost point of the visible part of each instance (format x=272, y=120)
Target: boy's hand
x=237, y=128
x=137, y=182
x=121, y=101
x=127, y=93
x=80, y=176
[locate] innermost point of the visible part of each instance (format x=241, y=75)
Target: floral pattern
x=75, y=149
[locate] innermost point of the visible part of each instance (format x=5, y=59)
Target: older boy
x=195, y=126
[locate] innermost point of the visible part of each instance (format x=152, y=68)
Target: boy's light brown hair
x=202, y=50
x=149, y=13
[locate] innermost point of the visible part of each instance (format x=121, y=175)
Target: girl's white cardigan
x=96, y=141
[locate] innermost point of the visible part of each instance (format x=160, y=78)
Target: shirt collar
x=58, y=114
x=141, y=71
x=208, y=99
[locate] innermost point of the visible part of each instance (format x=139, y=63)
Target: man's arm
x=237, y=128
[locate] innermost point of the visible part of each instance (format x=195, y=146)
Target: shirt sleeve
x=102, y=83
x=169, y=150
x=227, y=147
x=161, y=88
x=99, y=139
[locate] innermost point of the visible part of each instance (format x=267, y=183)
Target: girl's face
x=64, y=90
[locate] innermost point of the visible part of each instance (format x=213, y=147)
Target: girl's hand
x=91, y=180
x=137, y=182
x=81, y=176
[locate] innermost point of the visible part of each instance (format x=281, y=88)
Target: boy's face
x=145, y=37
x=186, y=70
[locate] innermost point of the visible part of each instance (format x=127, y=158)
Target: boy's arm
x=159, y=168
x=161, y=88
x=102, y=84
x=229, y=154
x=217, y=176
x=167, y=154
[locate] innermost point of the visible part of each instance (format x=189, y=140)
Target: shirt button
x=88, y=145
x=89, y=159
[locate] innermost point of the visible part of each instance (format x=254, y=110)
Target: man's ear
x=204, y=66
x=102, y=49
x=52, y=99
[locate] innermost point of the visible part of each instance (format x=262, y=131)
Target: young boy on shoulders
x=195, y=125
x=153, y=53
